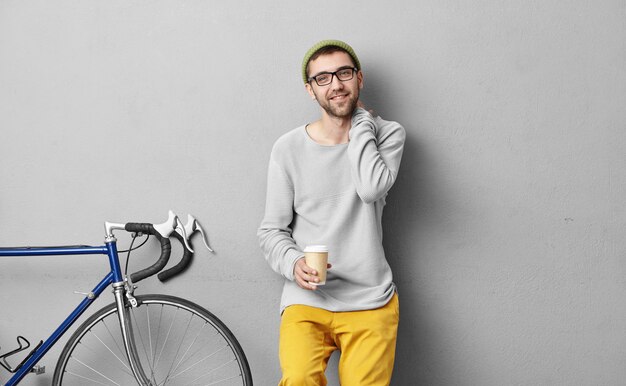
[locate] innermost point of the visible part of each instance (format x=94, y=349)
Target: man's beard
x=343, y=111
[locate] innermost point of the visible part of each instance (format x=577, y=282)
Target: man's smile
x=338, y=97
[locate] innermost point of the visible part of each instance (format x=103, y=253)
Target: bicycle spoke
x=112, y=353
x=169, y=331
x=124, y=368
x=223, y=380
x=88, y=379
x=152, y=366
x=198, y=362
x=97, y=372
x=158, y=334
x=149, y=327
x=119, y=348
x=169, y=372
x=182, y=358
x=214, y=370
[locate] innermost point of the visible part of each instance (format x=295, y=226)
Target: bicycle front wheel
x=177, y=341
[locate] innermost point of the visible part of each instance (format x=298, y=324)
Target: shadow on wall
x=399, y=224
x=414, y=204
x=410, y=206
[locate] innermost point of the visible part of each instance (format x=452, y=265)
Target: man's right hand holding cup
x=310, y=271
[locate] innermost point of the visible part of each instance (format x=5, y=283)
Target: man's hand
x=363, y=119
x=305, y=275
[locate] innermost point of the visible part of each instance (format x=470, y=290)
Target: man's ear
x=309, y=89
x=359, y=77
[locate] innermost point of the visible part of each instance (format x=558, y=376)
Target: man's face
x=339, y=98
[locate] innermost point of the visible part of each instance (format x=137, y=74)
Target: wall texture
x=505, y=229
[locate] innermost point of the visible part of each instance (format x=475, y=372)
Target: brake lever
x=191, y=227
x=180, y=229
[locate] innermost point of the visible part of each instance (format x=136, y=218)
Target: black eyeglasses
x=326, y=78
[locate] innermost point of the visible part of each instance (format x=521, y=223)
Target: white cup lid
x=316, y=248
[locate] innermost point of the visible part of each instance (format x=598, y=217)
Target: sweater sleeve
x=277, y=244
x=374, y=154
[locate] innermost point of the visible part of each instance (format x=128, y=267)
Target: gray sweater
x=333, y=195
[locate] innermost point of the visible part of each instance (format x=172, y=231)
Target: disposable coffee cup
x=316, y=257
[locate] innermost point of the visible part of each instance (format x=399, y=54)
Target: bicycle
x=148, y=340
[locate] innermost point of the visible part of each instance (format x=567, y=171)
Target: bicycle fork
x=123, y=312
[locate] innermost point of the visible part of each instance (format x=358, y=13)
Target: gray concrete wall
x=505, y=229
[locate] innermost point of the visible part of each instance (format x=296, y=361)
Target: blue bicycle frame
x=114, y=276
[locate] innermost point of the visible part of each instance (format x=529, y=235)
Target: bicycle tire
x=169, y=351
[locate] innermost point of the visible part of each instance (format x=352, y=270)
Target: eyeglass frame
x=333, y=74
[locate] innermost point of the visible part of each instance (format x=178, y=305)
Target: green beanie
x=327, y=43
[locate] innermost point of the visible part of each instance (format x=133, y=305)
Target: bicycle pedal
x=38, y=370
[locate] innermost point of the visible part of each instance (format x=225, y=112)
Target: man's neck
x=330, y=130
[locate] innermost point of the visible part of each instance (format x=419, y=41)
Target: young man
x=327, y=183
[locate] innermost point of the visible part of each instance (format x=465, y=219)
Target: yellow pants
x=366, y=339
